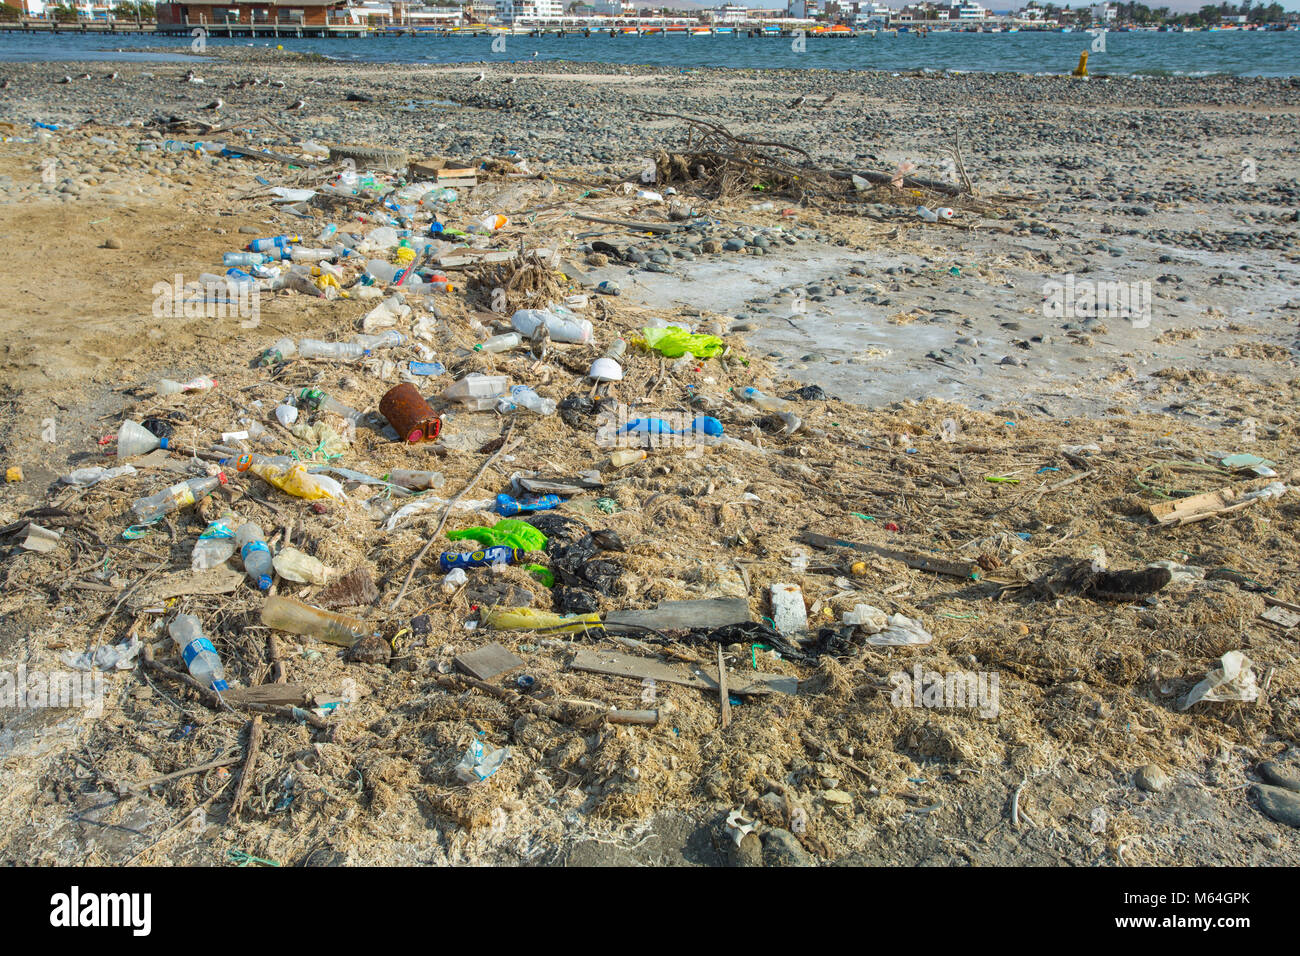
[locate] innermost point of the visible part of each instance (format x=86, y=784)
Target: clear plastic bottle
x=197, y=651
x=255, y=553
x=332, y=351
x=317, y=400
x=216, y=544
x=244, y=259
x=522, y=396
x=501, y=343
x=199, y=383
x=134, y=439
x=326, y=234
x=302, y=254
x=563, y=328
x=283, y=349
x=766, y=402
x=286, y=614
x=416, y=480
x=275, y=244
x=388, y=339
x=626, y=456
x=477, y=392
x=176, y=497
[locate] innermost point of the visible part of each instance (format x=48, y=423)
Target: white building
x=1103, y=13
x=511, y=11
x=967, y=10
x=730, y=13
x=614, y=8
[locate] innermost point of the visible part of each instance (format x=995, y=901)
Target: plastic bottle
x=292, y=477
x=479, y=559
x=197, y=651
x=134, y=439
x=283, y=349
x=416, y=480
x=244, y=259
x=275, y=244
x=489, y=224
x=255, y=553
x=443, y=194
x=522, y=396
x=388, y=339
x=477, y=392
x=216, y=544
x=562, y=329
x=944, y=212
x=317, y=400
x=928, y=214
x=303, y=254
x=500, y=343
x=326, y=234
x=176, y=497
x=286, y=614
x=770, y=403
x=199, y=383
x=508, y=506
x=332, y=351
x=626, y=456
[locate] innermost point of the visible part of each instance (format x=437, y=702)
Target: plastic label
x=252, y=547
x=217, y=529
x=196, y=647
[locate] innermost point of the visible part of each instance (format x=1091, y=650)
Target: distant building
x=299, y=13
x=968, y=10
x=730, y=13
x=1103, y=13
x=615, y=8
x=511, y=11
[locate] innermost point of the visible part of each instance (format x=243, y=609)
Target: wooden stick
x=250, y=764
x=647, y=718
x=215, y=701
x=201, y=768
x=446, y=512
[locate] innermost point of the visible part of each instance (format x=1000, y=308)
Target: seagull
x=278, y=84
x=66, y=79
x=5, y=84
x=85, y=76
x=215, y=104
x=534, y=54
x=797, y=102
x=298, y=104
x=510, y=79
x=111, y=76
x=827, y=101
x=480, y=78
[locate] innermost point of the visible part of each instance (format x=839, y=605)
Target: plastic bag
x=479, y=763
x=901, y=632
x=675, y=342
x=1233, y=679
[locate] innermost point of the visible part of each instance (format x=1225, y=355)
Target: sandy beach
x=968, y=407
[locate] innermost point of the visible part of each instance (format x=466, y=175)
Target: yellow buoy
x=1082, y=68
x=280, y=46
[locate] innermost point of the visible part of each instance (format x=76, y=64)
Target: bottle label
x=218, y=529
x=253, y=547
x=183, y=495
x=196, y=647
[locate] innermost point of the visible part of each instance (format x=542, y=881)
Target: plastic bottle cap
x=264, y=582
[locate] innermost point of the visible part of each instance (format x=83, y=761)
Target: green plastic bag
x=674, y=342
x=508, y=531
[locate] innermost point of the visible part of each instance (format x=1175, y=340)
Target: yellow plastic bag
x=297, y=481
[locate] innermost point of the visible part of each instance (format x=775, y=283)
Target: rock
x=771, y=808
x=250, y=230
x=748, y=853
x=1279, y=775
x=371, y=649
x=782, y=848
x=597, y=259
x=112, y=242
x=1277, y=803
x=837, y=797
x=711, y=246
x=1152, y=779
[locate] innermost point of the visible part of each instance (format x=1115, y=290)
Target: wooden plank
x=486, y=663
x=921, y=562
x=680, y=615
x=1171, y=514
x=1281, y=616
x=614, y=664
x=220, y=580
x=294, y=694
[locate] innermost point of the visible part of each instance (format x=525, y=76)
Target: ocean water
x=1239, y=53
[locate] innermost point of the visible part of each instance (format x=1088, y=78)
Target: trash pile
x=493, y=541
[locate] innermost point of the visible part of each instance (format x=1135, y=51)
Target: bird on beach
x=215, y=104
x=511, y=79
x=5, y=85
x=480, y=78
x=111, y=76
x=297, y=105
x=278, y=84
x=65, y=80
x=797, y=102
x=84, y=76
x=827, y=101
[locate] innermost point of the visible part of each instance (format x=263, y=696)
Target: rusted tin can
x=409, y=414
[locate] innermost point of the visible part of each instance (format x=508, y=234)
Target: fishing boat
x=771, y=31
x=701, y=31
x=725, y=31
x=677, y=28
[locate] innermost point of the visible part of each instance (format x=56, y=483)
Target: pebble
x=1152, y=779
x=1278, y=803
x=112, y=242
x=782, y=848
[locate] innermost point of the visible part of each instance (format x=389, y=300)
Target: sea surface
x=1236, y=52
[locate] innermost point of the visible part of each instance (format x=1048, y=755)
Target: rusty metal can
x=409, y=414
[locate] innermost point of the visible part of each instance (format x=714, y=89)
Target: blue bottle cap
x=264, y=582
x=220, y=685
